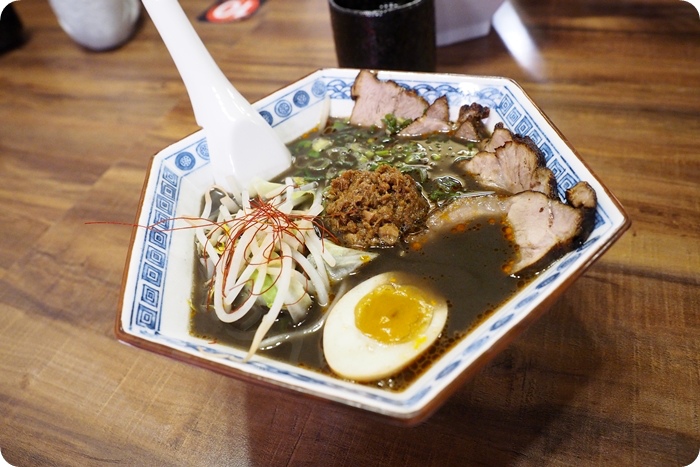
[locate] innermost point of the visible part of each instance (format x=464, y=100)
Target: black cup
x=384, y=34
x=11, y=31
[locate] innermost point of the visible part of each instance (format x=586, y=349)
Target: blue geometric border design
x=153, y=266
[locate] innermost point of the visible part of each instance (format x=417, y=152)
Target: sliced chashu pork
x=374, y=99
x=582, y=196
x=469, y=123
x=512, y=168
x=435, y=120
x=468, y=127
x=542, y=228
x=500, y=136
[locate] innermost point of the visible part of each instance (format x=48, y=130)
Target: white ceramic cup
x=98, y=24
x=461, y=20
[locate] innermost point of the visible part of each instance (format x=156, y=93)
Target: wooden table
x=609, y=376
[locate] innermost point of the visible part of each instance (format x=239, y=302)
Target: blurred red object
x=227, y=11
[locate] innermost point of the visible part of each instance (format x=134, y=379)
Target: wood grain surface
x=609, y=376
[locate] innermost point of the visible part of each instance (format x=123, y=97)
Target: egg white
x=353, y=355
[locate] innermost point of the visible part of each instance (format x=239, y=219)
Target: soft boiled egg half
x=382, y=325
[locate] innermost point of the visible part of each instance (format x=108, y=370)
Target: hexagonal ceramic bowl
x=154, y=312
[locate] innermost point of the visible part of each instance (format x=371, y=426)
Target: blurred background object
x=384, y=35
x=461, y=20
x=98, y=24
x=12, y=33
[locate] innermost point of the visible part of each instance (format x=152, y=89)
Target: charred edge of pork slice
x=543, y=228
x=582, y=196
x=375, y=99
x=501, y=135
x=469, y=125
x=435, y=120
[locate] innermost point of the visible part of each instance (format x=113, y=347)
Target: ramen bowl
x=155, y=308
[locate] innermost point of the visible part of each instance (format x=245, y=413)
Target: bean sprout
x=269, y=249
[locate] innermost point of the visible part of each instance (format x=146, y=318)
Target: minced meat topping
x=374, y=209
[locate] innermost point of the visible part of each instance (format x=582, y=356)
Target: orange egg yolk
x=393, y=314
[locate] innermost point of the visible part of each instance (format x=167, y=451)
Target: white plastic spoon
x=242, y=145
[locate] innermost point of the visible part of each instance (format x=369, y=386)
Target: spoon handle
x=234, y=129
x=205, y=82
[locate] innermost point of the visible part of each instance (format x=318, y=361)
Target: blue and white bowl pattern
x=185, y=164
